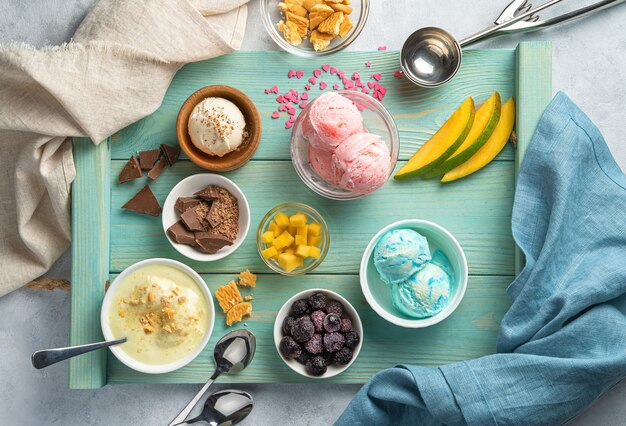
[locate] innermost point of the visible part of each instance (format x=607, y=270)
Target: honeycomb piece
x=296, y=9
x=320, y=41
x=340, y=7
x=302, y=23
x=237, y=313
x=345, y=27
x=290, y=31
x=318, y=14
x=331, y=24
x=247, y=279
x=308, y=4
x=228, y=296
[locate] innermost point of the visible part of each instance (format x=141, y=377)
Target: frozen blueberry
x=299, y=308
x=287, y=324
x=289, y=348
x=333, y=342
x=302, y=329
x=316, y=366
x=343, y=356
x=318, y=320
x=334, y=307
x=346, y=325
x=332, y=323
x=304, y=357
x=328, y=357
x=317, y=301
x=314, y=346
x=352, y=339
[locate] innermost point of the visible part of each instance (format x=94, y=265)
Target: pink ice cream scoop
x=363, y=163
x=322, y=163
x=333, y=118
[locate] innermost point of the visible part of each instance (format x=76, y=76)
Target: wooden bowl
x=232, y=160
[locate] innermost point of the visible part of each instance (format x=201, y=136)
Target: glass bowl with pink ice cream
x=344, y=145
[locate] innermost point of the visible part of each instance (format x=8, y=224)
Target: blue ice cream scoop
x=399, y=254
x=424, y=294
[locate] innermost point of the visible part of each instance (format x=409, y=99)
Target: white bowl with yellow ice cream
x=164, y=309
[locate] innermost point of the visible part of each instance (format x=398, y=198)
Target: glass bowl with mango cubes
x=293, y=239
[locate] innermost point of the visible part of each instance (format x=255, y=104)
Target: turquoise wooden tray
x=477, y=210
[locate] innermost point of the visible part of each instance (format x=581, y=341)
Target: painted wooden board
x=477, y=210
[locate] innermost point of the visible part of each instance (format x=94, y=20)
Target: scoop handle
x=46, y=357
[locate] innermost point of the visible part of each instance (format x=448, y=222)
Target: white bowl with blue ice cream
x=414, y=273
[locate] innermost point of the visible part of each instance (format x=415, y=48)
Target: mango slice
x=288, y=262
x=282, y=219
x=442, y=144
x=491, y=148
x=485, y=122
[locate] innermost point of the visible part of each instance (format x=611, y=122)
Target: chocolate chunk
x=211, y=243
x=181, y=235
x=191, y=220
x=156, y=170
x=130, y=171
x=214, y=218
x=144, y=202
x=148, y=158
x=185, y=203
x=209, y=193
x=171, y=153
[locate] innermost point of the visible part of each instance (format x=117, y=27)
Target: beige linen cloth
x=114, y=72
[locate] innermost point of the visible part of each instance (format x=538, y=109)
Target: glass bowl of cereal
x=314, y=27
x=293, y=239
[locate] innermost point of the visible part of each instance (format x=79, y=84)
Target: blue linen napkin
x=563, y=341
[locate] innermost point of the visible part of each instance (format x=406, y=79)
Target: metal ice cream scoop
x=227, y=407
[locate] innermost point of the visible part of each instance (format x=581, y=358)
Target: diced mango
x=283, y=240
x=267, y=237
x=314, y=252
x=293, y=230
x=288, y=238
x=314, y=240
x=290, y=250
x=273, y=227
x=288, y=262
x=315, y=229
x=298, y=219
x=269, y=253
x=302, y=230
x=299, y=261
x=282, y=220
x=301, y=240
x=302, y=250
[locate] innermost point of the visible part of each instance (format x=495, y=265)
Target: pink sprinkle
x=398, y=74
x=365, y=90
x=336, y=87
x=275, y=115
x=299, y=74
x=323, y=85
x=368, y=64
x=377, y=77
x=274, y=89
x=291, y=111
x=313, y=81
x=382, y=90
x=371, y=84
x=333, y=70
x=356, y=76
x=288, y=124
x=382, y=48
x=303, y=105
x=317, y=73
x=268, y=91
x=291, y=74
x=283, y=107
x=304, y=96
x=345, y=81
x=280, y=99
x=307, y=87
x=349, y=85
x=326, y=67
x=359, y=83
x=341, y=74
x=292, y=119
x=378, y=95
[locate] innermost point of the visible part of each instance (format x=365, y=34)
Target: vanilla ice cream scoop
x=216, y=126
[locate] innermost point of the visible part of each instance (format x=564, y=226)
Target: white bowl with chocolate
x=206, y=217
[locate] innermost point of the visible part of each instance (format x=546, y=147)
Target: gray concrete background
x=584, y=67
